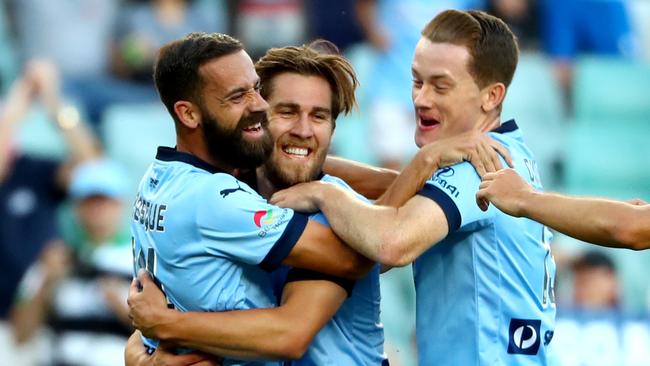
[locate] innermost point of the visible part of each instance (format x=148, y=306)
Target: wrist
x=525, y=202
x=165, y=328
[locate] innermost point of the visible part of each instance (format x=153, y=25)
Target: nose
x=423, y=97
x=258, y=104
x=302, y=128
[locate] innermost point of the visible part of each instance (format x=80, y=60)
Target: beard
x=284, y=173
x=230, y=146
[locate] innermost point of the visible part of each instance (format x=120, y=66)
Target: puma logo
x=224, y=193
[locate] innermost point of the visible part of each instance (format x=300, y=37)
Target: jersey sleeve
x=237, y=223
x=454, y=190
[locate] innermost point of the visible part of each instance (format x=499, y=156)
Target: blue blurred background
x=581, y=95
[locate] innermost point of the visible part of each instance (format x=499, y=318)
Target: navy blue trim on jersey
x=300, y=274
x=506, y=127
x=287, y=241
x=171, y=154
x=445, y=202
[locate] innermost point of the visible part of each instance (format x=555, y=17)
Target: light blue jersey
x=209, y=238
x=485, y=294
x=355, y=335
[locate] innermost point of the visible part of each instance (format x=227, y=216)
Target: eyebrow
x=241, y=89
x=433, y=77
x=293, y=105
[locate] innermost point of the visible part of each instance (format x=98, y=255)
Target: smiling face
x=300, y=121
x=233, y=112
x=447, y=100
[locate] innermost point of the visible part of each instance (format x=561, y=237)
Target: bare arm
x=13, y=112
x=36, y=290
x=369, y=181
x=320, y=249
x=284, y=332
x=599, y=221
x=136, y=355
x=366, y=11
x=388, y=235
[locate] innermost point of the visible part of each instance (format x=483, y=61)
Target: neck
x=194, y=144
x=265, y=187
x=489, y=123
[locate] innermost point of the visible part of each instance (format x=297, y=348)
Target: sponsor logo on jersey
x=225, y=192
x=263, y=218
x=445, y=172
x=524, y=336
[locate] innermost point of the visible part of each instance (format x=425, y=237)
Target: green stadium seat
x=534, y=100
x=133, y=131
x=607, y=89
x=609, y=159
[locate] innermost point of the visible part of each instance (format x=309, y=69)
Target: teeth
x=253, y=127
x=296, y=151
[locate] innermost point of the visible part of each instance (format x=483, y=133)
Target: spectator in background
x=595, y=284
x=32, y=188
x=573, y=27
x=144, y=26
x=262, y=24
x=521, y=16
x=393, y=28
x=334, y=21
x=80, y=294
x=76, y=36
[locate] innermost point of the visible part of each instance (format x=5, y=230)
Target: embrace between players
x=267, y=250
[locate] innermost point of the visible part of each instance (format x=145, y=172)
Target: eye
x=417, y=83
x=237, y=98
x=321, y=116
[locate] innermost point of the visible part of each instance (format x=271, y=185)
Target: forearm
x=598, y=221
x=369, y=181
x=29, y=314
x=14, y=110
x=244, y=334
x=410, y=181
x=364, y=227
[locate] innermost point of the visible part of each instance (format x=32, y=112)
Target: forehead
x=434, y=59
x=305, y=90
x=228, y=72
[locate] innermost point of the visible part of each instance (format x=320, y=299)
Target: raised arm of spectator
x=80, y=141
x=12, y=112
x=594, y=220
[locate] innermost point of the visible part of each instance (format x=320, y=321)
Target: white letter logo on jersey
x=524, y=336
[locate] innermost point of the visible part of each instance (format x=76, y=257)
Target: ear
x=187, y=113
x=492, y=96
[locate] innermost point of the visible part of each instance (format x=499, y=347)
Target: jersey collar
x=171, y=154
x=506, y=127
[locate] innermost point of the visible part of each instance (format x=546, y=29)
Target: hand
x=45, y=78
x=506, y=190
x=147, y=307
x=474, y=146
x=301, y=197
x=164, y=356
x=55, y=260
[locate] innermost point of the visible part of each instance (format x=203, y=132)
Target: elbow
x=356, y=266
x=630, y=235
x=394, y=252
x=292, y=345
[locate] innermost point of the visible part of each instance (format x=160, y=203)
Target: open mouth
x=254, y=129
x=427, y=123
x=296, y=151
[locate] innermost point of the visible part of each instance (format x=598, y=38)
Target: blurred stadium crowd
x=80, y=121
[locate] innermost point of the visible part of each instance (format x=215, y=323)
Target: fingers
x=479, y=165
x=144, y=278
x=503, y=152
x=134, y=288
x=490, y=157
x=481, y=200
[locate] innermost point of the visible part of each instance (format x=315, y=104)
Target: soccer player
x=484, y=280
x=594, y=220
x=306, y=91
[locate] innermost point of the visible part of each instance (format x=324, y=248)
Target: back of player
x=354, y=335
x=485, y=292
x=208, y=238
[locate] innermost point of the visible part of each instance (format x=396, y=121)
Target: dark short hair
x=176, y=71
x=490, y=42
x=594, y=259
x=320, y=58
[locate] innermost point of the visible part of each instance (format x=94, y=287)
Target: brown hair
x=320, y=58
x=491, y=44
x=176, y=72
